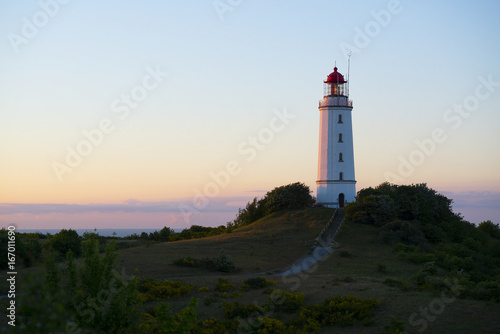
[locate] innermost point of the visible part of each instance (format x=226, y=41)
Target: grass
x=277, y=241
x=269, y=244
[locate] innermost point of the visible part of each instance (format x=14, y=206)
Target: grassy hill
x=361, y=267
x=271, y=243
x=364, y=286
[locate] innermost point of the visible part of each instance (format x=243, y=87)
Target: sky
x=129, y=114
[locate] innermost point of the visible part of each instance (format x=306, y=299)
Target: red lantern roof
x=335, y=77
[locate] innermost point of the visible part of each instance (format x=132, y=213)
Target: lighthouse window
x=341, y=176
x=340, y=157
x=340, y=119
x=340, y=138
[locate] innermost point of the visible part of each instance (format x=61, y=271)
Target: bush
x=486, y=290
x=187, y=262
x=65, y=241
x=256, y=283
x=271, y=326
x=28, y=248
x=396, y=326
x=490, y=228
x=162, y=320
x=400, y=231
x=92, y=298
x=288, y=302
x=161, y=290
x=223, y=285
x=239, y=310
x=434, y=233
x=342, y=311
x=222, y=263
x=213, y=325
x=413, y=253
x=401, y=284
x=373, y=209
x=389, y=202
x=292, y=196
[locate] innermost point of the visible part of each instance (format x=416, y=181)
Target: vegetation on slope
x=292, y=196
x=399, y=244
x=273, y=242
x=422, y=227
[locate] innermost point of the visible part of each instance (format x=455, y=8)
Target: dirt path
x=320, y=252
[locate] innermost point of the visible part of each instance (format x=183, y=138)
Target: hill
x=402, y=260
x=362, y=266
x=271, y=243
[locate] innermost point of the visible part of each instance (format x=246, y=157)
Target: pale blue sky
x=227, y=77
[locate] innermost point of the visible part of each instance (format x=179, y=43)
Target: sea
x=105, y=232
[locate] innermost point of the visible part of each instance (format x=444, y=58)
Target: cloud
x=475, y=199
x=222, y=204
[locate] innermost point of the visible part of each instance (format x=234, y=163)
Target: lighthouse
x=336, y=181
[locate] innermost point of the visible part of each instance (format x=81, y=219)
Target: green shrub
x=490, y=228
x=162, y=320
x=213, y=325
x=223, y=285
x=284, y=301
x=346, y=279
x=486, y=290
x=29, y=249
x=91, y=298
x=239, y=310
x=208, y=300
x=341, y=311
x=433, y=233
x=65, y=241
x=271, y=326
x=400, y=231
x=222, y=263
x=256, y=283
x=292, y=196
x=413, y=253
x=396, y=326
x=161, y=290
x=401, y=284
x=186, y=262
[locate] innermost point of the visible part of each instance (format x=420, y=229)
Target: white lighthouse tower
x=336, y=182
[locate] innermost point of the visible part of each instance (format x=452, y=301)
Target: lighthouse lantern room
x=336, y=181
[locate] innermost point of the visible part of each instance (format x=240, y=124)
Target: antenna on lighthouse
x=348, y=70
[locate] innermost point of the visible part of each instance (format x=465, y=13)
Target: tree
x=165, y=233
x=402, y=231
x=292, y=196
x=93, y=298
x=490, y=228
x=65, y=241
x=371, y=209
